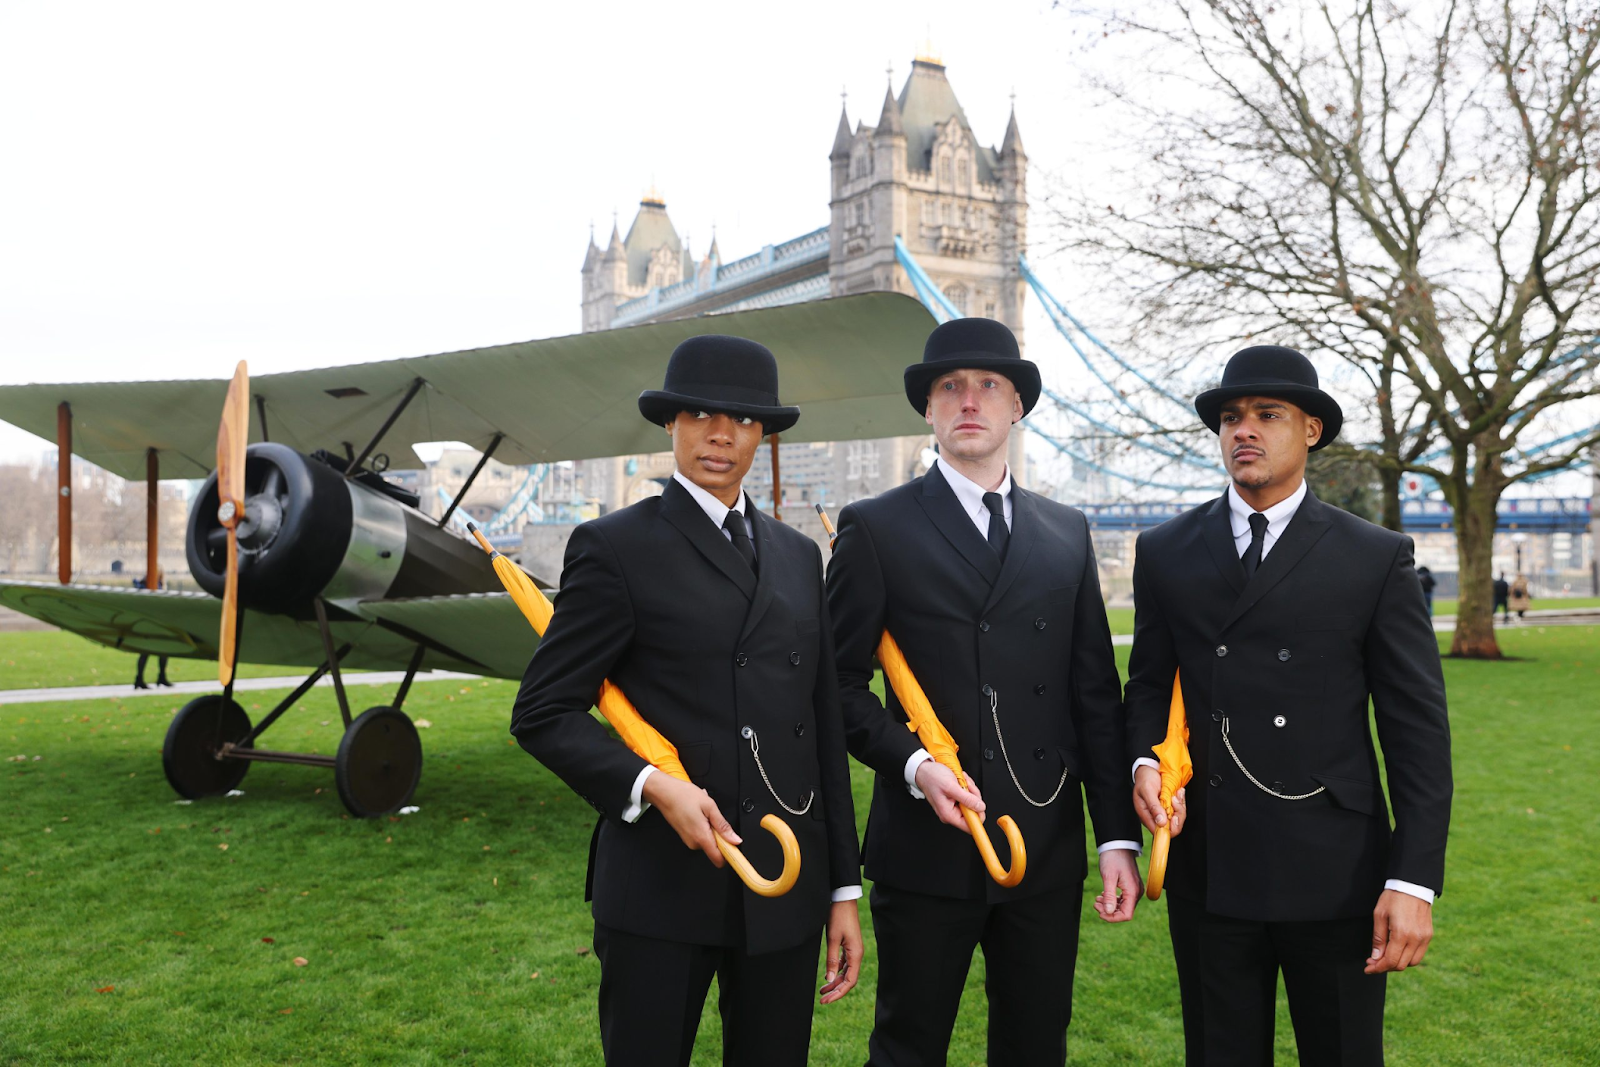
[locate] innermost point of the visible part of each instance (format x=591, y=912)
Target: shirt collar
x=969, y=492
x=1278, y=515
x=715, y=509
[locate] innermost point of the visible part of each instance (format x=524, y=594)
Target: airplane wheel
x=379, y=762
x=189, y=754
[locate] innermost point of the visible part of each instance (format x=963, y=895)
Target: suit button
x=988, y=690
x=1222, y=650
x=741, y=659
x=1276, y=787
x=1216, y=780
x=794, y=658
x=1038, y=624
x=1038, y=690
x=1283, y=655
x=988, y=753
x=748, y=805
x=800, y=800
x=984, y=626
x=1279, y=720
x=1038, y=753
x=799, y=729
x=1216, y=716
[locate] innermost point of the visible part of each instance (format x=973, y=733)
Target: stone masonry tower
x=959, y=206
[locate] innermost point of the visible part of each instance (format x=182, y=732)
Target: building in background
x=920, y=174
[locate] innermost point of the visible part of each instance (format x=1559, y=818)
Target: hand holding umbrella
x=643, y=738
x=920, y=718
x=1176, y=769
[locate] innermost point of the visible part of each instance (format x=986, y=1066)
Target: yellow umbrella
x=942, y=747
x=1176, y=770
x=643, y=738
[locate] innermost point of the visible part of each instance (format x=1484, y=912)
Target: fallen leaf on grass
x=235, y=792
x=286, y=1011
x=106, y=989
x=422, y=724
x=268, y=941
x=583, y=951
x=300, y=961
x=535, y=974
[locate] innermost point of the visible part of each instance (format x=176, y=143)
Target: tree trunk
x=1475, y=520
x=1389, y=496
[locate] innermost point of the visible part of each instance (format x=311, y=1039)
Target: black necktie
x=735, y=525
x=1258, y=543
x=999, y=533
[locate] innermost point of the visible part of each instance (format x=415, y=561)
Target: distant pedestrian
x=144, y=657
x=1502, y=596
x=1425, y=576
x=1519, y=595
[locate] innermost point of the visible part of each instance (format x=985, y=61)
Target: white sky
x=304, y=184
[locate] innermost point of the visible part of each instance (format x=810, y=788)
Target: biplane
x=310, y=557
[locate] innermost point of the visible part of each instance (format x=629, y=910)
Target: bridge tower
x=959, y=206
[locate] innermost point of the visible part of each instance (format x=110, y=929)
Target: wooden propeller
x=233, y=435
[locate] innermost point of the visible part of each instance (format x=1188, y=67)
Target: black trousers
x=1030, y=948
x=652, y=993
x=1228, y=980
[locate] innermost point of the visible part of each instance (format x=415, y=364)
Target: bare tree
x=1411, y=188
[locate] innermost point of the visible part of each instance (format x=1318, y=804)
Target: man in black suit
x=993, y=595
x=1285, y=616
x=711, y=618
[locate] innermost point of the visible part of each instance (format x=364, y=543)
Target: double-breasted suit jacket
x=1280, y=667
x=1024, y=643
x=655, y=598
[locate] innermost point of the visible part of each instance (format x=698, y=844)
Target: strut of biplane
x=310, y=556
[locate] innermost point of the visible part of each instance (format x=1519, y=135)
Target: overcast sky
x=306, y=184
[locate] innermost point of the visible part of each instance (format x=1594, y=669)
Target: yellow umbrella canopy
x=641, y=737
x=921, y=720
x=1176, y=769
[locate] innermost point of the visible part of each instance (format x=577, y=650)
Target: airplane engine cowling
x=307, y=531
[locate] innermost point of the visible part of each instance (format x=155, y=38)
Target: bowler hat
x=726, y=375
x=1271, y=370
x=971, y=344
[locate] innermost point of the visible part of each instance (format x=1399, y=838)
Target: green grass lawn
x=1447, y=605
x=141, y=930
x=36, y=659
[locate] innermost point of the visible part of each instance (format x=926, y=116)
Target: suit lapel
x=1305, y=529
x=1024, y=532
x=767, y=565
x=680, y=509
x=1217, y=527
x=939, y=501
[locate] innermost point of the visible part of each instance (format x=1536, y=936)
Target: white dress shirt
x=717, y=512
x=1278, y=516
x=970, y=496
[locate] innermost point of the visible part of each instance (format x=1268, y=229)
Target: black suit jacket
x=655, y=598
x=1288, y=660
x=1034, y=630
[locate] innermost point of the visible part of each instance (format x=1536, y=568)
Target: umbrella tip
x=472, y=527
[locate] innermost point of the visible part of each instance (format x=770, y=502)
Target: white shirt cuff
x=1144, y=761
x=846, y=892
x=911, y=771
x=637, y=806
x=1132, y=846
x=1421, y=892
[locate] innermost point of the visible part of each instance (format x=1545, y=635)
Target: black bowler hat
x=1271, y=370
x=971, y=344
x=720, y=374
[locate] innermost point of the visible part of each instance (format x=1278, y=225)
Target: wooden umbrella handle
x=1158, y=863
x=1019, y=852
x=764, y=887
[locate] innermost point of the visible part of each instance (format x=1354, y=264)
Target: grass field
x=37, y=659
x=140, y=930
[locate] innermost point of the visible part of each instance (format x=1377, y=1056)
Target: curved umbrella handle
x=1019, y=852
x=1158, y=863
x=763, y=887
